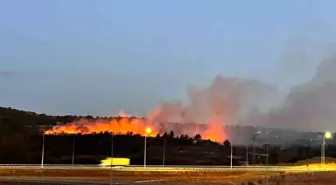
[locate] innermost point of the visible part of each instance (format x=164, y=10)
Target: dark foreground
x=104, y=177
x=58, y=177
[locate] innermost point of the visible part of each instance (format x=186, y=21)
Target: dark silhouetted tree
x=197, y=137
x=227, y=144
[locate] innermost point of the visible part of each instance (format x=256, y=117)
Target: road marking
x=154, y=180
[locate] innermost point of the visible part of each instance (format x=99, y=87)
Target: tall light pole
x=164, y=151
x=73, y=151
x=111, y=149
x=247, y=157
x=253, y=145
x=267, y=137
x=111, y=159
x=327, y=135
x=147, y=131
x=231, y=148
x=231, y=156
x=42, y=157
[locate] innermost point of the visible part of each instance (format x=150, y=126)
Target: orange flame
x=124, y=125
x=215, y=131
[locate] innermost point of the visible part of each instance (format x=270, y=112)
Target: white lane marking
x=154, y=180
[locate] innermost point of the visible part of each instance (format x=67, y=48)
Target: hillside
x=21, y=142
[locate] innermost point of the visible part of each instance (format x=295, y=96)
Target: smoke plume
x=227, y=101
x=308, y=105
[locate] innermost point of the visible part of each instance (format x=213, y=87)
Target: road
x=79, y=180
x=149, y=175
x=170, y=168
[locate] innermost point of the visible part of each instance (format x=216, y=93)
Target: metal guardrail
x=158, y=168
x=46, y=182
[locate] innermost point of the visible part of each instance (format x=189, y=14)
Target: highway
x=168, y=168
x=149, y=175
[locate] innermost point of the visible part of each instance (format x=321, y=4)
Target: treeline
x=21, y=142
x=24, y=118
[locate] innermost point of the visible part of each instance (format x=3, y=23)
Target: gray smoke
x=228, y=99
x=310, y=106
x=299, y=93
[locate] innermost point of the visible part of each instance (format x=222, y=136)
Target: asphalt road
x=171, y=168
x=136, y=175
x=80, y=180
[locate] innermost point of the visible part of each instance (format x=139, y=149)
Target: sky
x=98, y=57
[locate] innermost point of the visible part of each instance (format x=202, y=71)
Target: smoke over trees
x=306, y=106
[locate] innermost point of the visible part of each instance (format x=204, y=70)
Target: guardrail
x=159, y=168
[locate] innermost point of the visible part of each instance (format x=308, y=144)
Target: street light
x=73, y=150
x=326, y=135
x=231, y=156
x=267, y=139
x=253, y=145
x=147, y=132
x=111, y=158
x=164, y=151
x=42, y=157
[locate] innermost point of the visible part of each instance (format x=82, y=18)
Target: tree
x=227, y=144
x=197, y=137
x=165, y=135
x=171, y=134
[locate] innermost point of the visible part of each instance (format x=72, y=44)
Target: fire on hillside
x=125, y=124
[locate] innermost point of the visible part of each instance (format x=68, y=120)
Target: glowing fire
x=215, y=131
x=123, y=125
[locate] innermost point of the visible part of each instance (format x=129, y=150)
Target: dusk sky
x=99, y=56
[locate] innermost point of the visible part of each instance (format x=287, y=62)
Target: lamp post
x=147, y=131
x=247, y=157
x=326, y=135
x=111, y=159
x=267, y=143
x=253, y=145
x=231, y=156
x=42, y=157
x=111, y=149
x=164, y=152
x=73, y=150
